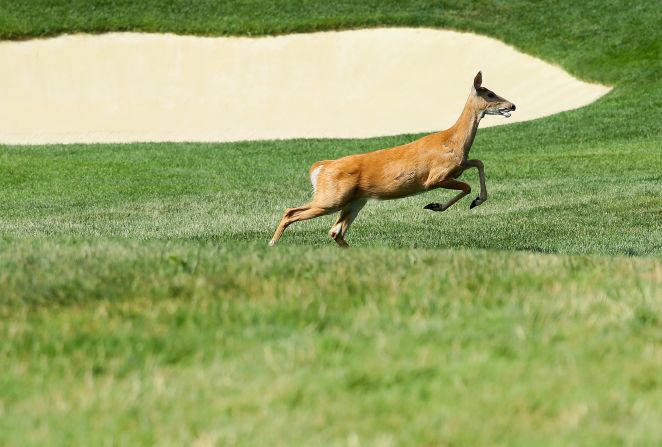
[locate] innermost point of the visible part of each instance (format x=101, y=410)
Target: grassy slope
x=174, y=323
x=602, y=40
x=566, y=198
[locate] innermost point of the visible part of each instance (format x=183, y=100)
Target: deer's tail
x=314, y=171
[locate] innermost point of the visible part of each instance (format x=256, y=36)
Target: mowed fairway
x=140, y=304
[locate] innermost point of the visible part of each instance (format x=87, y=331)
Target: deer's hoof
x=475, y=203
x=434, y=207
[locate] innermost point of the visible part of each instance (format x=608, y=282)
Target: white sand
x=129, y=87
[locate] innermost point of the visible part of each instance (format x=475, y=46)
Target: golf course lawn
x=140, y=304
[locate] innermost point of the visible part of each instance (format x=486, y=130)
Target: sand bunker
x=128, y=87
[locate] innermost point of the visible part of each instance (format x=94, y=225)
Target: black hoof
x=473, y=204
x=433, y=207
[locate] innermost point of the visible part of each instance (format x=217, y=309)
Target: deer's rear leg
x=296, y=214
x=347, y=216
x=464, y=189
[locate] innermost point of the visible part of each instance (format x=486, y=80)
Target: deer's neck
x=463, y=132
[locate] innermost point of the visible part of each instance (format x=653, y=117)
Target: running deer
x=434, y=161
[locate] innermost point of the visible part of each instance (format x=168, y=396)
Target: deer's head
x=489, y=103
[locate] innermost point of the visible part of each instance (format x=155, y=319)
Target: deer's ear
x=478, y=80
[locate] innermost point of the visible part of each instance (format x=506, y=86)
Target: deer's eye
x=490, y=95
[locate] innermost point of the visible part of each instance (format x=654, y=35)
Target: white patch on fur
x=313, y=177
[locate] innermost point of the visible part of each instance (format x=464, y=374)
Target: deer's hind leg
x=292, y=215
x=333, y=192
x=347, y=216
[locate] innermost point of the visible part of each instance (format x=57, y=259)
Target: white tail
x=313, y=177
x=434, y=161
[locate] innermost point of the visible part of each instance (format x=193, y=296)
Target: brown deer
x=434, y=161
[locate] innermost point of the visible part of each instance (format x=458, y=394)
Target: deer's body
x=396, y=172
x=434, y=161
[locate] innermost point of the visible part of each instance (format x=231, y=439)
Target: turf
x=602, y=40
x=139, y=304
x=142, y=343
x=574, y=199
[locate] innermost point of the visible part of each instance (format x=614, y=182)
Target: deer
x=431, y=162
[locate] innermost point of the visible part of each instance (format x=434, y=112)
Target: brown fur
x=434, y=161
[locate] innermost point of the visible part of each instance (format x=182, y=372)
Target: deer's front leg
x=482, y=196
x=464, y=189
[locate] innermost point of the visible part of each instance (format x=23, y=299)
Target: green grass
x=566, y=199
x=603, y=40
x=128, y=342
x=139, y=303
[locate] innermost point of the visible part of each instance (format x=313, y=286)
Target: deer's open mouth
x=503, y=111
